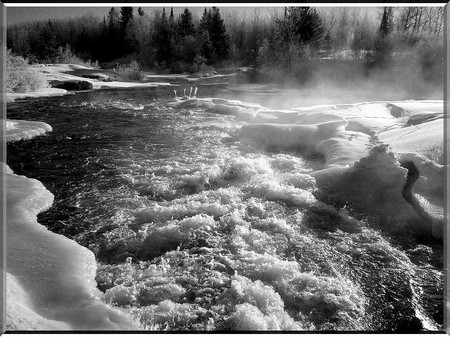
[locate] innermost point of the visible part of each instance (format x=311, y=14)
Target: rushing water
x=195, y=229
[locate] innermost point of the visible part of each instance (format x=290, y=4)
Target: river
x=195, y=228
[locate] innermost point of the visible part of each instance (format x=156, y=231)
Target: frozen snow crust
x=224, y=257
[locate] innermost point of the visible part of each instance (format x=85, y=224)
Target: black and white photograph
x=221, y=168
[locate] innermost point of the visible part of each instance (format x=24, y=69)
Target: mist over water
x=195, y=228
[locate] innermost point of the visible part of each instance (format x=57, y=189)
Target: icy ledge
x=50, y=279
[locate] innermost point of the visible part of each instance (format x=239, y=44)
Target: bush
x=66, y=56
x=131, y=71
x=21, y=77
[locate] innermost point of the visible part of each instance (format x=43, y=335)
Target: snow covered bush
x=66, y=56
x=131, y=71
x=21, y=77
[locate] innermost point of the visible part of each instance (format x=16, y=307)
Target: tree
x=185, y=24
x=218, y=35
x=113, y=20
x=382, y=51
x=206, y=48
x=254, y=38
x=126, y=16
x=363, y=37
x=162, y=38
x=299, y=31
x=205, y=21
x=307, y=25
x=113, y=34
x=386, y=24
x=48, y=43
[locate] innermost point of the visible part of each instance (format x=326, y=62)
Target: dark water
x=194, y=229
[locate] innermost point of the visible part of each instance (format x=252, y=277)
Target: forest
x=298, y=43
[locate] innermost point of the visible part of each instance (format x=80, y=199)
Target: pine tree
x=126, y=16
x=382, y=56
x=185, y=25
x=172, y=25
x=306, y=25
x=386, y=24
x=205, y=21
x=206, y=48
x=171, y=16
x=112, y=35
x=162, y=38
x=48, y=43
x=218, y=35
x=113, y=21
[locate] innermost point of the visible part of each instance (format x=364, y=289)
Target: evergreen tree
x=386, y=24
x=48, y=43
x=162, y=39
x=218, y=35
x=206, y=48
x=113, y=20
x=127, y=40
x=113, y=34
x=185, y=25
x=171, y=16
x=205, y=21
x=383, y=48
x=172, y=26
x=306, y=25
x=126, y=16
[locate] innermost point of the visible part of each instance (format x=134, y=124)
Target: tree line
x=262, y=39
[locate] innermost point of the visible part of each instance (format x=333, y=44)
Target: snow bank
x=411, y=107
x=426, y=138
x=20, y=129
x=43, y=93
x=50, y=278
x=121, y=84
